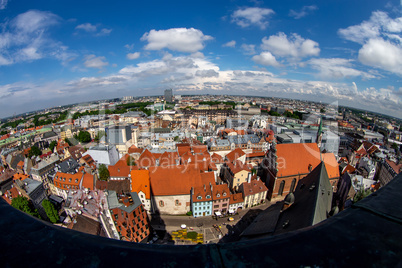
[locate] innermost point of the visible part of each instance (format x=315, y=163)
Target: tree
x=52, y=145
x=34, y=151
x=322, y=111
x=103, y=172
x=99, y=136
x=131, y=161
x=361, y=194
x=22, y=203
x=51, y=212
x=84, y=136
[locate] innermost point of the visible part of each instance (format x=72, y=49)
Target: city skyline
x=67, y=52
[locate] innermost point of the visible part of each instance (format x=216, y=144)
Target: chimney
x=210, y=184
x=205, y=188
x=249, y=177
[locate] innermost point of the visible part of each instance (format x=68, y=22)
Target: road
x=230, y=231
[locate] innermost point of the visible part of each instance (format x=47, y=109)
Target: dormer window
x=208, y=196
x=218, y=195
x=199, y=197
x=76, y=180
x=69, y=180
x=224, y=194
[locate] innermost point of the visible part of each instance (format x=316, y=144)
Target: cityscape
x=209, y=134
x=178, y=170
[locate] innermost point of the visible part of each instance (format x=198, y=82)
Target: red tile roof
x=183, y=148
x=220, y=192
x=176, y=180
x=396, y=167
x=216, y=158
x=349, y=169
x=199, y=149
x=295, y=158
x=236, y=153
x=201, y=193
x=169, y=158
x=88, y=181
x=236, y=198
x=66, y=181
x=140, y=182
x=253, y=187
x=134, y=150
x=331, y=164
x=10, y=194
x=147, y=159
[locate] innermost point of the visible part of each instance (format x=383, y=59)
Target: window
x=281, y=186
x=216, y=206
x=161, y=203
x=224, y=205
x=208, y=196
x=199, y=197
x=218, y=195
x=177, y=202
x=224, y=194
x=292, y=186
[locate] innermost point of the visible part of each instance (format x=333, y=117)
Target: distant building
x=169, y=95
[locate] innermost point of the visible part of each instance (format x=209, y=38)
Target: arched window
x=161, y=203
x=292, y=186
x=281, y=186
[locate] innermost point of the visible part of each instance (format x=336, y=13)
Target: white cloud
x=176, y=39
x=382, y=54
x=129, y=46
x=3, y=4
x=104, y=32
x=381, y=41
x=252, y=16
x=26, y=38
x=34, y=20
x=266, y=58
x=88, y=27
x=230, y=44
x=207, y=73
x=133, y=56
x=378, y=24
x=93, y=29
x=295, y=46
x=91, y=61
x=186, y=74
x=336, y=68
x=303, y=12
x=248, y=49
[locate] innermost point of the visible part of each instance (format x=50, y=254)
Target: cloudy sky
x=60, y=52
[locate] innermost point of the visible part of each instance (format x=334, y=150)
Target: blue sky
x=59, y=52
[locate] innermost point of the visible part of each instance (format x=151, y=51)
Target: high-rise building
x=169, y=95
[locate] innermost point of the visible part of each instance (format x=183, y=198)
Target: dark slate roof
x=86, y=225
x=265, y=222
x=68, y=166
x=48, y=135
x=136, y=203
x=313, y=196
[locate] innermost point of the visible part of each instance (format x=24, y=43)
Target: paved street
x=228, y=231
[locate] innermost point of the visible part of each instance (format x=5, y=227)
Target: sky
x=60, y=52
